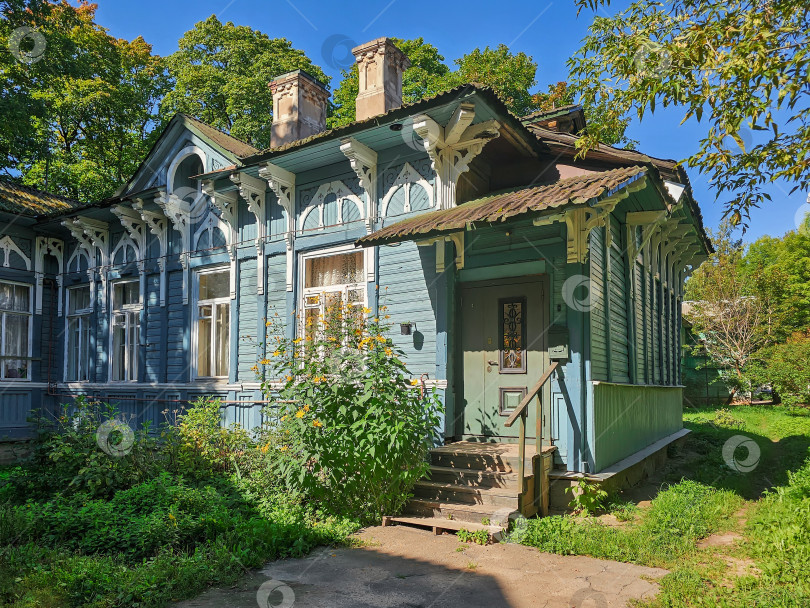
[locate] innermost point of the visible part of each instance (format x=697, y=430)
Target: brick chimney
x=299, y=107
x=381, y=65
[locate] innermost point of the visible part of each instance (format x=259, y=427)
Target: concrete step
x=473, y=478
x=440, y=526
x=452, y=493
x=474, y=513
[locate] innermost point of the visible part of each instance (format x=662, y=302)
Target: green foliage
x=354, y=428
x=586, y=497
x=740, y=67
x=68, y=459
x=479, y=537
x=676, y=519
x=195, y=506
x=80, y=119
x=724, y=417
x=221, y=74
x=787, y=368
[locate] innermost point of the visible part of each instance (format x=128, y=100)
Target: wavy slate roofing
x=501, y=207
x=23, y=200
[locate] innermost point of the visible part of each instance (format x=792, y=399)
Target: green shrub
x=787, y=368
x=354, y=428
x=67, y=457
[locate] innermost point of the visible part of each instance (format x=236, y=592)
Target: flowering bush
x=354, y=427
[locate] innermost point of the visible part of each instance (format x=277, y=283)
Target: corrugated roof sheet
x=229, y=142
x=23, y=200
x=504, y=206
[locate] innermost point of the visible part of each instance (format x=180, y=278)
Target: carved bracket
x=364, y=163
x=94, y=237
x=282, y=183
x=157, y=224
x=254, y=191
x=178, y=213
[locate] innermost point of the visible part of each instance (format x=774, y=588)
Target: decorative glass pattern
x=513, y=336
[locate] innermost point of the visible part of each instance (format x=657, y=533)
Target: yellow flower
x=366, y=310
x=265, y=448
x=284, y=448
x=388, y=352
x=316, y=423
x=267, y=324
x=265, y=361
x=414, y=381
x=306, y=407
x=297, y=341
x=380, y=339
x=299, y=414
x=276, y=353
x=284, y=417
x=289, y=378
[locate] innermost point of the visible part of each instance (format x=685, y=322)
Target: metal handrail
x=521, y=412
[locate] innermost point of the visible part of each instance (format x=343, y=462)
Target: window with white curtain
x=212, y=316
x=77, y=355
x=126, y=313
x=329, y=281
x=15, y=309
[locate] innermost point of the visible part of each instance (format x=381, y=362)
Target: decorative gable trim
x=93, y=237
x=341, y=192
x=282, y=183
x=8, y=245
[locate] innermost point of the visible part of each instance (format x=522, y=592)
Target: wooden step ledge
x=440, y=526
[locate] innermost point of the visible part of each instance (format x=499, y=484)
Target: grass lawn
x=728, y=537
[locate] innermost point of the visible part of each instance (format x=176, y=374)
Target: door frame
x=458, y=368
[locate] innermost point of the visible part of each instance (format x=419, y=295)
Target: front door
x=502, y=325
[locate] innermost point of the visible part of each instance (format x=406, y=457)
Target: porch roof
x=577, y=190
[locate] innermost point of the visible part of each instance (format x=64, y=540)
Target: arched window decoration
x=211, y=234
x=79, y=261
x=333, y=204
x=125, y=252
x=409, y=192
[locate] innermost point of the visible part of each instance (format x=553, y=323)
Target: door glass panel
x=513, y=336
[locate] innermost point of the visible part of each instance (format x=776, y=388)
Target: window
x=15, y=308
x=212, y=323
x=330, y=281
x=77, y=359
x=126, y=312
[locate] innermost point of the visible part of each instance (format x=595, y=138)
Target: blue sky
x=549, y=31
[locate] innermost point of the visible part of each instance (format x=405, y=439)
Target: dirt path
x=400, y=567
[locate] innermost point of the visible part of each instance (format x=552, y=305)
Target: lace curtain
x=341, y=269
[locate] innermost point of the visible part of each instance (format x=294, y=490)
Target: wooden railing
x=522, y=412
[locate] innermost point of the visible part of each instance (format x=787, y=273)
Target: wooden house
x=502, y=257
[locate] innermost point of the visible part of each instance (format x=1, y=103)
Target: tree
x=428, y=75
x=80, y=101
x=221, y=74
x=725, y=311
x=510, y=75
x=740, y=66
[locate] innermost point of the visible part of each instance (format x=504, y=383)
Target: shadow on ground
x=399, y=567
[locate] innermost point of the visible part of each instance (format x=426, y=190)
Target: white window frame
x=130, y=367
x=321, y=291
x=81, y=314
x=195, y=320
x=30, y=315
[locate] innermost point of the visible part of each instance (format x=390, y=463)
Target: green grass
x=700, y=495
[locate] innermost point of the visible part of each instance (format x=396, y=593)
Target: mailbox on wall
x=557, y=343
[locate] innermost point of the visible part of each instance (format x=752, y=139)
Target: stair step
x=461, y=460
x=474, y=513
x=473, y=478
x=439, y=526
x=453, y=493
